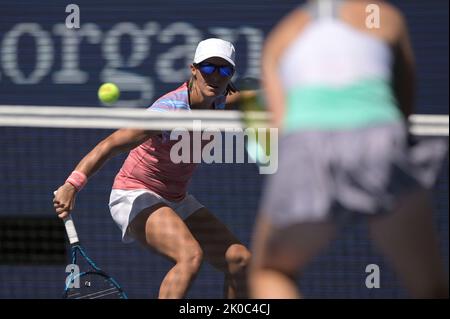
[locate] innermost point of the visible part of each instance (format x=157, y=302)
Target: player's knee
x=192, y=258
x=237, y=257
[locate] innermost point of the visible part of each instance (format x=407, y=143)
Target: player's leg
x=408, y=240
x=279, y=255
x=160, y=228
x=222, y=249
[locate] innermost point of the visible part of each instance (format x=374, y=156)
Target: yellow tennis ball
x=108, y=93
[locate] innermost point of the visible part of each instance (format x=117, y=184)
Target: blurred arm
x=277, y=41
x=404, y=77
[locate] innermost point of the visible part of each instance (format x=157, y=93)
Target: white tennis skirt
x=125, y=205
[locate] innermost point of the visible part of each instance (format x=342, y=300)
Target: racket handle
x=70, y=228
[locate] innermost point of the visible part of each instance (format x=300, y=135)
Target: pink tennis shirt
x=149, y=166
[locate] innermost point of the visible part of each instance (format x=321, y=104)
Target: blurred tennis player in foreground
x=149, y=201
x=341, y=93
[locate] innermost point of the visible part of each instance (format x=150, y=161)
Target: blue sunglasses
x=209, y=68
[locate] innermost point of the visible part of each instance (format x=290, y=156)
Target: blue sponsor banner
x=147, y=46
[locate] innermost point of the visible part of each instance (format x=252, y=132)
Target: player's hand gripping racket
x=93, y=283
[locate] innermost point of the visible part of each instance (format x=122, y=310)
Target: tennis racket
x=93, y=283
x=253, y=108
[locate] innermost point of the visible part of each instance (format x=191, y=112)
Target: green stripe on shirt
x=365, y=103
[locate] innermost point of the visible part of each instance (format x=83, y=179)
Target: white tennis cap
x=214, y=48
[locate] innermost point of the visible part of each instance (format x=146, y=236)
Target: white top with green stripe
x=337, y=77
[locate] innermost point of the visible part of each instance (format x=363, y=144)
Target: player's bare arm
x=404, y=72
x=276, y=43
x=121, y=141
x=234, y=99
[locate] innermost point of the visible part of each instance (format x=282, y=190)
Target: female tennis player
x=149, y=199
x=337, y=86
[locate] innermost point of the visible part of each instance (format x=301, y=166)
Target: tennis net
x=40, y=146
